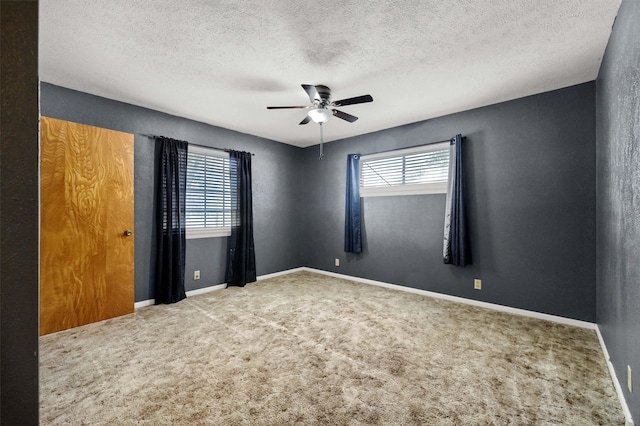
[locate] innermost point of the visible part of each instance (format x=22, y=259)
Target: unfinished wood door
x=86, y=224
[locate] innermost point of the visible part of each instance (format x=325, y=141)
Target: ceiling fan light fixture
x=320, y=115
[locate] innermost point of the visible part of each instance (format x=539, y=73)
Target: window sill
x=434, y=188
x=193, y=233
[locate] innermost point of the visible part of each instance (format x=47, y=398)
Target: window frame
x=439, y=187
x=213, y=231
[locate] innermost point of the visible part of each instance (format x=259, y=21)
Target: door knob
x=128, y=233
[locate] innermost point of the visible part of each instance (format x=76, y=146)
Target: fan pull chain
x=321, y=142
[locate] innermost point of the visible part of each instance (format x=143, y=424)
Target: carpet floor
x=308, y=349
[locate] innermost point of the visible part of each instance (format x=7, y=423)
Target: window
x=208, y=198
x=419, y=170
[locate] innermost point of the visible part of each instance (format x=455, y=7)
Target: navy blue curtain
x=352, y=220
x=241, y=257
x=172, y=187
x=457, y=248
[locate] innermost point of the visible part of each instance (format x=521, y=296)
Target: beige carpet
x=309, y=349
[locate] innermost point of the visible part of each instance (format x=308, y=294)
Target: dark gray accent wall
x=277, y=185
x=618, y=205
x=530, y=173
x=19, y=220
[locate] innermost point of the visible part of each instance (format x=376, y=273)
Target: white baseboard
x=206, y=290
x=616, y=382
x=189, y=293
x=285, y=272
x=144, y=303
x=493, y=306
x=149, y=302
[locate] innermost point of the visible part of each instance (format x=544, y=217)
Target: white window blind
x=420, y=170
x=208, y=197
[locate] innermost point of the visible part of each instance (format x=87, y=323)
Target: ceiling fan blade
x=285, y=107
x=312, y=92
x=350, y=101
x=305, y=120
x=348, y=117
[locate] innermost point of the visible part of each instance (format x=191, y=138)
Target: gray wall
x=277, y=185
x=618, y=206
x=531, y=198
x=19, y=218
x=530, y=182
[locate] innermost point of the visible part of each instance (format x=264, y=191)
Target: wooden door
x=86, y=224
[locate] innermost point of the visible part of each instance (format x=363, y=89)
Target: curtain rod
x=412, y=146
x=195, y=144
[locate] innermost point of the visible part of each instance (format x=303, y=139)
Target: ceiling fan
x=322, y=108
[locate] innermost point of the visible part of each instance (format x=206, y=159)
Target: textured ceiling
x=223, y=62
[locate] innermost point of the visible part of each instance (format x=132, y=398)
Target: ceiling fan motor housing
x=325, y=94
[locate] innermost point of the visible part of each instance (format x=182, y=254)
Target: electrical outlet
x=629, y=382
x=196, y=275
x=337, y=262
x=477, y=284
